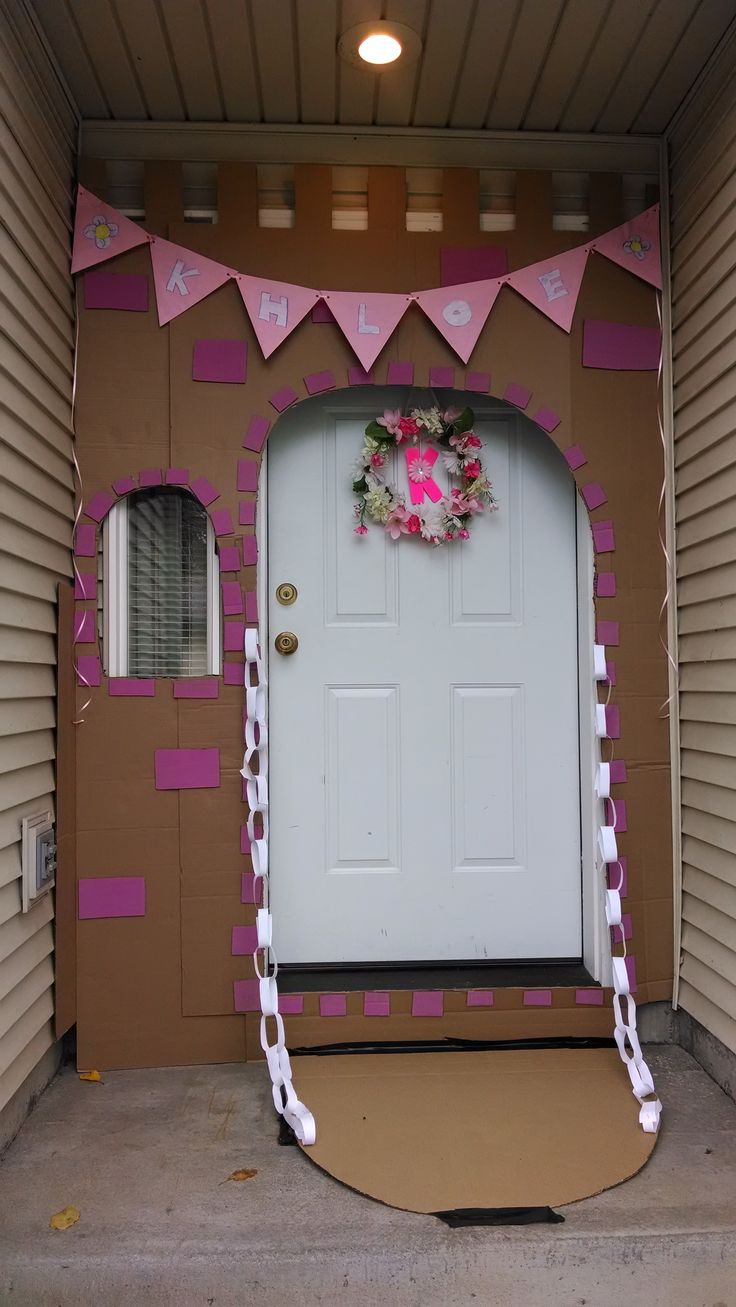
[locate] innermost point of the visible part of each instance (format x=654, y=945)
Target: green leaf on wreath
x=375, y=429
x=465, y=421
x=359, y=487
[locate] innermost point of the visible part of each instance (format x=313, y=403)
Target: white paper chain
x=625, y=1033
x=265, y=963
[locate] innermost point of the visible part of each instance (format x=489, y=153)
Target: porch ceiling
x=604, y=66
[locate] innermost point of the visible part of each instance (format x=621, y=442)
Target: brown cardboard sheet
x=434, y=1132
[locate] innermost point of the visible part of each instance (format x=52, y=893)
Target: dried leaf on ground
x=66, y=1217
x=244, y=1174
x=94, y=1076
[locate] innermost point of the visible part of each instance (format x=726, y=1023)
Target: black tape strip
x=463, y=1217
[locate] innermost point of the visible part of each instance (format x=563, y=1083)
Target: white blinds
x=167, y=584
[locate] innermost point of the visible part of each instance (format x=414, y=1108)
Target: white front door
x=424, y=743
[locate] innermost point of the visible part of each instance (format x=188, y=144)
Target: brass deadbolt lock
x=286, y=643
x=286, y=593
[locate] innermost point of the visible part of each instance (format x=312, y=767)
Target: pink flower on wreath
x=472, y=441
x=451, y=414
x=462, y=504
x=396, y=523
x=464, y=533
x=377, y=460
x=408, y=427
x=361, y=530
x=472, y=469
x=421, y=470
x=413, y=524
x=390, y=420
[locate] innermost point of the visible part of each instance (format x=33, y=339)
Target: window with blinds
x=160, y=585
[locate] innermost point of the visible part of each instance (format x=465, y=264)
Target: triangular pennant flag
x=553, y=285
x=635, y=245
x=182, y=278
x=367, y=320
x=100, y=232
x=460, y=312
x=275, y=308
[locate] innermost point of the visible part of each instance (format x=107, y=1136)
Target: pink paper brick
x=247, y=474
x=187, y=769
x=624, y=931
x=85, y=541
x=442, y=377
x=255, y=436
x=428, y=1003
x=229, y=558
x=177, y=476
x=608, y=633
x=462, y=263
x=244, y=841
x=197, y=687
x=517, y=394
x=88, y=669
x=621, y=347
x=243, y=940
x=84, y=628
x=479, y=998
x=246, y=996
x=316, y=382
x=219, y=360
x=611, y=672
x=99, y=505
x=131, y=687
x=575, y=458
x=249, y=893
x=233, y=637
x=631, y=972
x=251, y=606
x=151, y=476
x=613, y=721
x=283, y=398
x=124, y=485
x=85, y=585
x=589, y=997
x=222, y=521
x=479, y=382
x=594, y=495
x=400, y=374
x=615, y=875
x=333, y=1005
x=116, y=290
x=547, y=419
x=604, y=539
x=233, y=673
x=617, y=808
x=358, y=376
x=232, y=598
x=618, y=771
x=204, y=490
x=377, y=1004
x=247, y=512
x=291, y=1005
x=250, y=551
x=605, y=585
x=111, y=896
x=537, y=998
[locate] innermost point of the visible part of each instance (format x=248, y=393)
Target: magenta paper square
x=131, y=687
x=479, y=998
x=358, y=376
x=547, y=419
x=613, y=721
x=251, y=606
x=283, y=398
x=85, y=585
x=124, y=485
x=244, y=939
x=244, y=841
x=233, y=673
x=99, y=505
x=615, y=875
x=247, y=512
x=605, y=585
x=624, y=931
x=316, y=382
x=619, y=775
x=604, y=539
x=204, y=490
x=537, y=998
x=116, y=290
x=442, y=377
x=575, y=458
x=187, y=769
x=111, y=896
x=377, y=1004
x=460, y=263
x=255, y=436
x=248, y=889
x=89, y=670
x=400, y=374
x=594, y=495
x=219, y=360
x=321, y=313
x=247, y=474
x=232, y=598
x=589, y=997
x=85, y=541
x=478, y=381
x=621, y=347
x=151, y=476
x=427, y=1003
x=617, y=808
x=611, y=672
x=197, y=687
x=84, y=628
x=250, y=551
x=229, y=558
x=177, y=476
x=291, y=1005
x=233, y=636
x=246, y=996
x=517, y=395
x=222, y=521
x=607, y=633
x=333, y=1005
x=631, y=972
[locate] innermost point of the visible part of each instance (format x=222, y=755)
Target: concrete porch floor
x=143, y=1157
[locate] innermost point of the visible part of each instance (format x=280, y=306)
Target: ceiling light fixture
x=379, y=48
x=379, y=45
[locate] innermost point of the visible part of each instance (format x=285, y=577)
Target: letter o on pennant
x=457, y=313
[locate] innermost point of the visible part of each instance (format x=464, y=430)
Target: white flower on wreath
x=378, y=504
x=101, y=231
x=430, y=419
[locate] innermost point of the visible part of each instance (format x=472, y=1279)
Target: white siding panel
x=37, y=135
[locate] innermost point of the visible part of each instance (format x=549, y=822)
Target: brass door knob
x=286, y=643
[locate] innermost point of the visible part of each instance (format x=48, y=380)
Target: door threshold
x=296, y=978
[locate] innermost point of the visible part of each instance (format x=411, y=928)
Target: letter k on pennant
x=182, y=278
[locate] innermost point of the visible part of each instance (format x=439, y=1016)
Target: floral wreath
x=448, y=516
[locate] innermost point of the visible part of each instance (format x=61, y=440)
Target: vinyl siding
x=702, y=149
x=37, y=143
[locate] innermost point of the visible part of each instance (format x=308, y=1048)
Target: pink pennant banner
x=635, y=245
x=100, y=232
x=367, y=320
x=275, y=308
x=182, y=278
x=553, y=285
x=460, y=312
